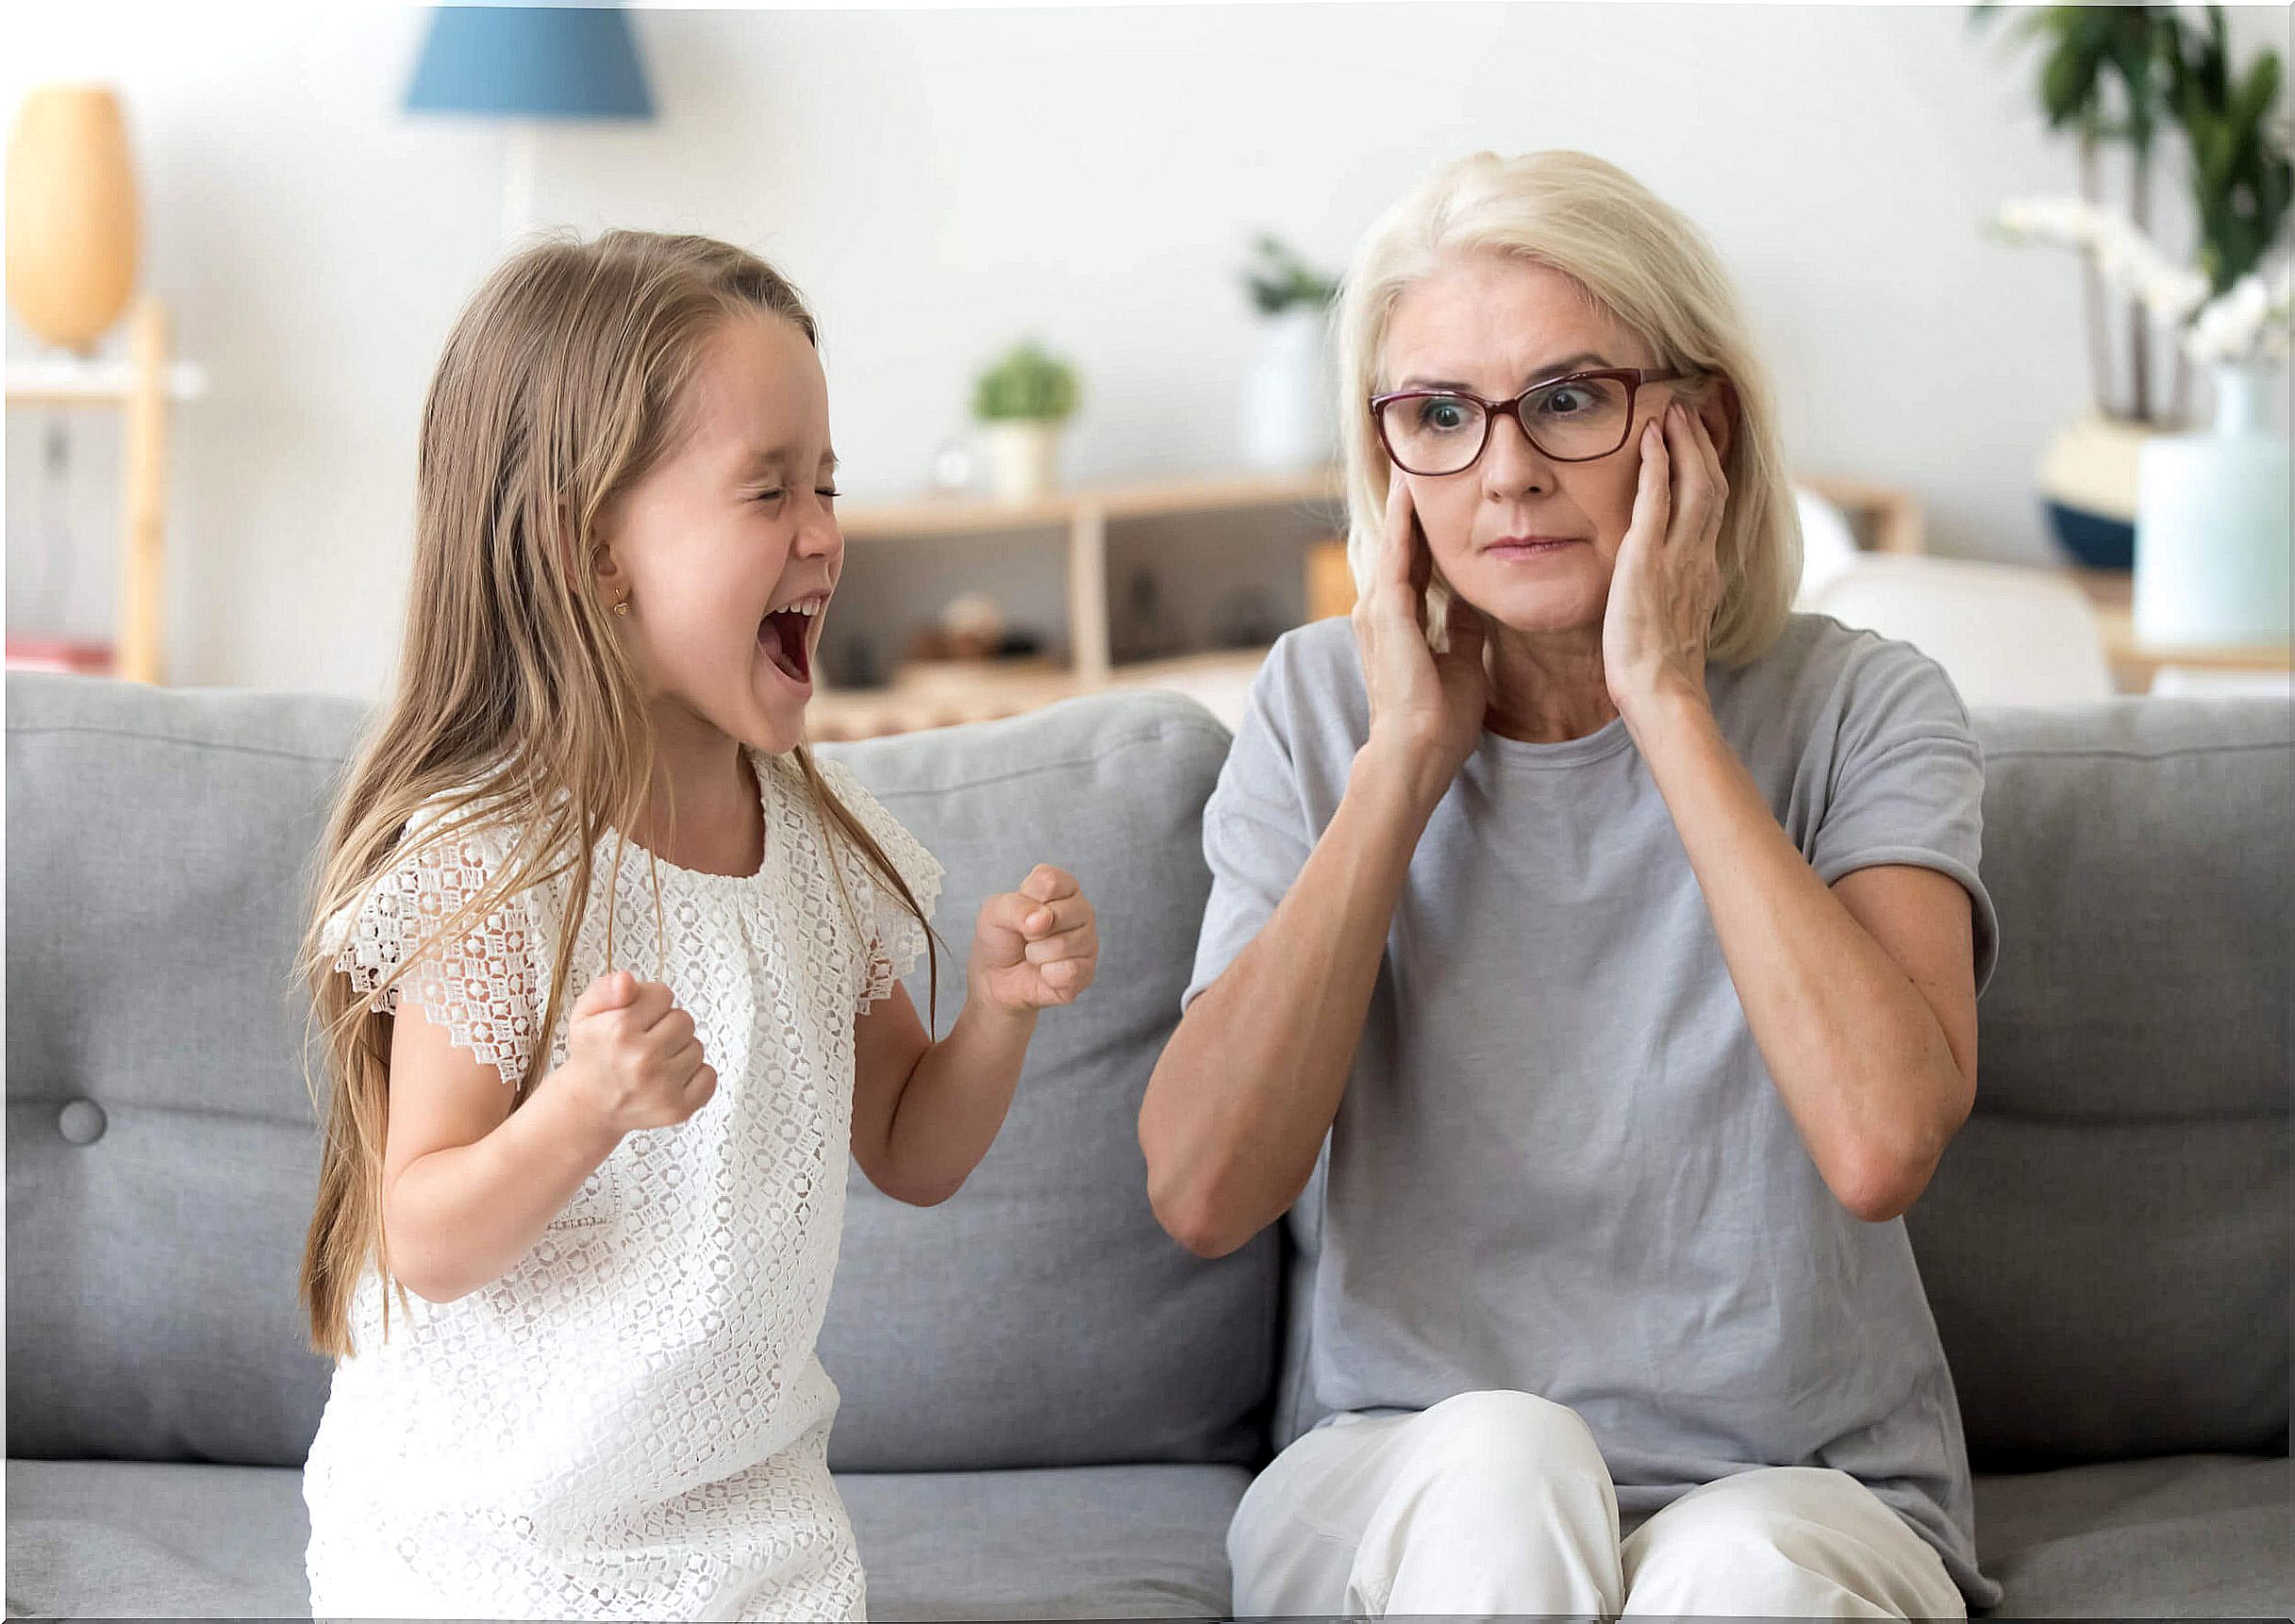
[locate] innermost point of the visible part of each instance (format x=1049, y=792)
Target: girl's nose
x=818, y=534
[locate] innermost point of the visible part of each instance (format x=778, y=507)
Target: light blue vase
x=2212, y=534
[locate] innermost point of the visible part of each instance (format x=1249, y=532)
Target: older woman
x=1591, y=969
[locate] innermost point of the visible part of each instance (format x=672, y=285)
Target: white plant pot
x=1287, y=420
x=1024, y=459
x=2212, y=532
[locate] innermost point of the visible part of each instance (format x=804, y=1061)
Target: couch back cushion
x=2107, y=1242
x=1041, y=1316
x=162, y=1155
x=161, y=1158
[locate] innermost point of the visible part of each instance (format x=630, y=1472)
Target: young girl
x=576, y=1223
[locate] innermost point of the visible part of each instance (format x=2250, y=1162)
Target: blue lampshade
x=530, y=61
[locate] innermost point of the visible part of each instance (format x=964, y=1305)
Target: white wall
x=940, y=182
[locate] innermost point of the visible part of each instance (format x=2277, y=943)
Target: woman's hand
x=1667, y=580
x=1426, y=709
x=1038, y=946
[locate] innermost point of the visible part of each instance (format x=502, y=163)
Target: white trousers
x=1499, y=1503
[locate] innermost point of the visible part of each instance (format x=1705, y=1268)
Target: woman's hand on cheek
x=1426, y=709
x=1038, y=946
x=1667, y=581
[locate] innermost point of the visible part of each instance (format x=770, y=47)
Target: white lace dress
x=632, y=1422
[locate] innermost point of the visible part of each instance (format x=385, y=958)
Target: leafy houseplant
x=1287, y=421
x=2124, y=75
x=1022, y=399
x=1281, y=281
x=1027, y=385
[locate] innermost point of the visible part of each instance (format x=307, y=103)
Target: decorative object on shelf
x=524, y=64
x=72, y=267
x=2212, y=530
x=973, y=627
x=2118, y=74
x=72, y=224
x=1022, y=401
x=1287, y=417
x=954, y=467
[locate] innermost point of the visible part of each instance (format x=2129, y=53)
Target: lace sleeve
x=480, y=982
x=897, y=939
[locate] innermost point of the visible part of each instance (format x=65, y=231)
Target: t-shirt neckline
x=761, y=766
x=1607, y=739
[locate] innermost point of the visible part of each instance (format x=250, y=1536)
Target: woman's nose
x=1510, y=464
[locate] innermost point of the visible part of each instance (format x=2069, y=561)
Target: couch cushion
x=1104, y=1542
x=2107, y=1242
x=159, y=853
x=96, y=1538
x=2179, y=1536
x=1041, y=1316
x=131, y=1539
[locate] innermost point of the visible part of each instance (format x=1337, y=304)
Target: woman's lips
x=1531, y=546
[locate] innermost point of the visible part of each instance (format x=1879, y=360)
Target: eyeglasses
x=1575, y=418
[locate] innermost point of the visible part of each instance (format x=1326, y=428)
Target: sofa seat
x=2177, y=1537
x=2181, y=1536
x=128, y=1538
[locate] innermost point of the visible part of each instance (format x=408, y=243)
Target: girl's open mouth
x=785, y=635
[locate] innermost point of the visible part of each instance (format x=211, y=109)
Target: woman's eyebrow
x=1550, y=369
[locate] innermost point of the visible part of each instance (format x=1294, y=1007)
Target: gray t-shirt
x=1560, y=1166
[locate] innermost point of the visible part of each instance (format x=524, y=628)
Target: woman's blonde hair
x=516, y=704
x=1646, y=263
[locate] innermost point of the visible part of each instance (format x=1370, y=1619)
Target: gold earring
x=621, y=608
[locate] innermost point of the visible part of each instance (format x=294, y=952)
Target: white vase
x=1286, y=416
x=1024, y=459
x=2212, y=524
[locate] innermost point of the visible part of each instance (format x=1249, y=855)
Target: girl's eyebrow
x=761, y=464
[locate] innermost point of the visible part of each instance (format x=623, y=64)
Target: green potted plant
x=1287, y=417
x=2122, y=76
x=2202, y=516
x=1022, y=403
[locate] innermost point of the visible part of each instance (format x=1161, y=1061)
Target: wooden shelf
x=947, y=695
x=96, y=383
x=2135, y=662
x=1887, y=518
x=932, y=516
x=1078, y=520
x=141, y=388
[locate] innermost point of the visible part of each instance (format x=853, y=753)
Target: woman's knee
x=1506, y=1443
x=1783, y=1539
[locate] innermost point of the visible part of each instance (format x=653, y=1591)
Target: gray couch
x=1049, y=1408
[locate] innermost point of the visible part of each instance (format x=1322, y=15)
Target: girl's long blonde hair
x=1644, y=262
x=515, y=703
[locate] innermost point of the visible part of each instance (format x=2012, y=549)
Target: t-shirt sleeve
x=478, y=979
x=1256, y=831
x=1908, y=784
x=897, y=938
